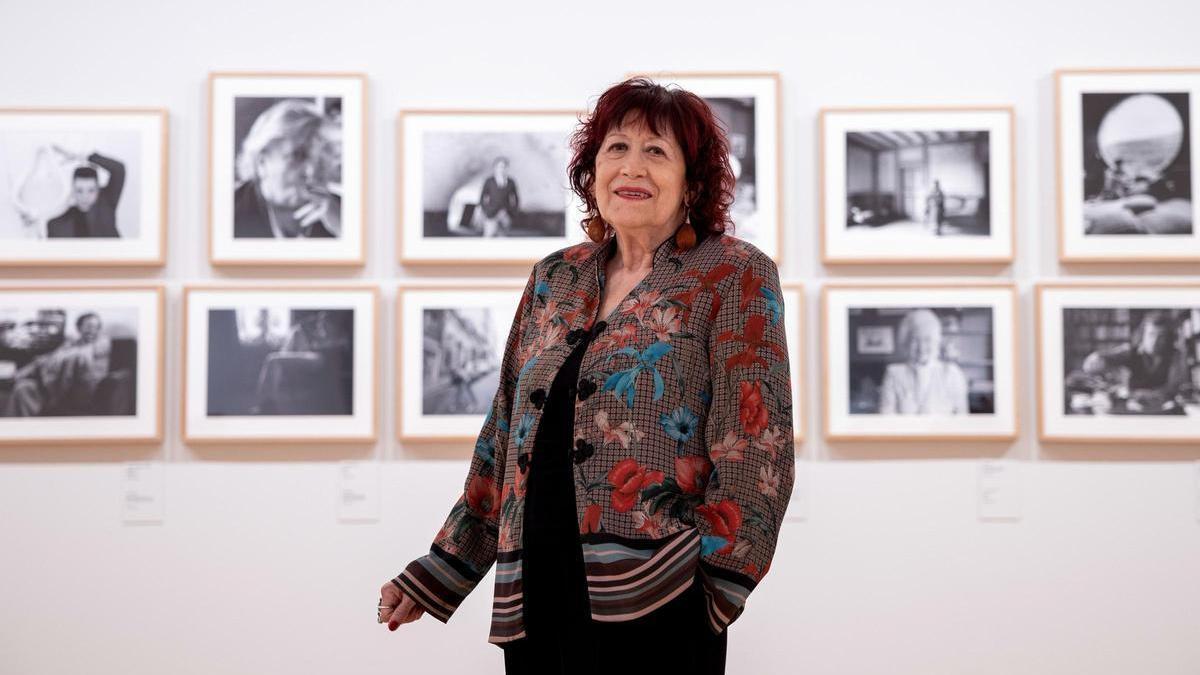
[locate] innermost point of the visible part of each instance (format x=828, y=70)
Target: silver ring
x=387, y=607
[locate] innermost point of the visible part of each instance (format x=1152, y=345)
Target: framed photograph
x=450, y=345
x=271, y=364
x=287, y=168
x=81, y=365
x=1126, y=165
x=793, y=317
x=480, y=186
x=949, y=375
x=917, y=185
x=84, y=186
x=749, y=106
x=1119, y=362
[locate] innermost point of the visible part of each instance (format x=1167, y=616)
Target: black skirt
x=560, y=635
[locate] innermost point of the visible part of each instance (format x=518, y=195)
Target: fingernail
x=392, y=625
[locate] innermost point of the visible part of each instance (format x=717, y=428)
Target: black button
x=538, y=398
x=575, y=336
x=586, y=389
x=599, y=327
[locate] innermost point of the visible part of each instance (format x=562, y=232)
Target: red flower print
x=691, y=473
x=751, y=410
x=752, y=338
x=587, y=306
x=628, y=479
x=617, y=338
x=664, y=322
x=641, y=303
x=705, y=282
x=482, y=497
x=730, y=447
x=545, y=315
x=751, y=285
x=577, y=253
x=591, y=519
x=725, y=517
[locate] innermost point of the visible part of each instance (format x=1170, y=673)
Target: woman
x=631, y=476
x=923, y=384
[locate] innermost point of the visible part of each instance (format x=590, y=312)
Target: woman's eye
x=656, y=150
x=616, y=146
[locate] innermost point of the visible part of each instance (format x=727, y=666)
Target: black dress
x=560, y=635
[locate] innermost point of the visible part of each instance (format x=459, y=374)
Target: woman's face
x=923, y=348
x=640, y=178
x=284, y=171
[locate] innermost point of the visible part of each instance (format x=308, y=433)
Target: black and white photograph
x=288, y=166
x=290, y=150
x=280, y=364
x=918, y=182
x=1137, y=176
x=78, y=354
x=494, y=184
x=1126, y=174
x=461, y=366
x=920, y=361
x=1121, y=354
x=82, y=186
x=747, y=107
x=485, y=186
x=280, y=361
x=450, y=343
x=917, y=185
x=938, y=361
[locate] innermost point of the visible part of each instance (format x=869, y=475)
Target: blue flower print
x=621, y=383
x=680, y=424
x=523, y=428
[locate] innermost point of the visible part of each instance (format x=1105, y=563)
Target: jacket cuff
x=438, y=582
x=725, y=593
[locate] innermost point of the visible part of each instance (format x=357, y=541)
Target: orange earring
x=596, y=229
x=685, y=236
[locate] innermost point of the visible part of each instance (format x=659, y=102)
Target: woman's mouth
x=636, y=194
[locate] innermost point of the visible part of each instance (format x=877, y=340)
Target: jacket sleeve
x=749, y=437
x=465, y=547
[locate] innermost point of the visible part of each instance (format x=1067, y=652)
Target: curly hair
x=699, y=133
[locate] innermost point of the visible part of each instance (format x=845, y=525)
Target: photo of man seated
x=1148, y=374
x=48, y=370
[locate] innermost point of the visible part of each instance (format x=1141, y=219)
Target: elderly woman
x=631, y=476
x=923, y=384
x=288, y=159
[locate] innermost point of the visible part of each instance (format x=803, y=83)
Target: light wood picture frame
x=89, y=187
x=450, y=160
x=1126, y=152
x=946, y=373
x=287, y=180
x=749, y=105
x=917, y=185
x=450, y=341
x=280, y=364
x=81, y=365
x=1118, y=362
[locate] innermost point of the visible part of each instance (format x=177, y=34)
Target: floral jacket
x=683, y=452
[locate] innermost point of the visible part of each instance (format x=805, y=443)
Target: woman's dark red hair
x=695, y=128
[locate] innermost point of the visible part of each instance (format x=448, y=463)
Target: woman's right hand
x=406, y=609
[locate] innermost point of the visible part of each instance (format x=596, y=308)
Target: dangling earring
x=596, y=229
x=685, y=236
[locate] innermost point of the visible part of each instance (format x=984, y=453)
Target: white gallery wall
x=892, y=571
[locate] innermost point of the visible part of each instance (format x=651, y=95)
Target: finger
x=407, y=612
x=304, y=210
